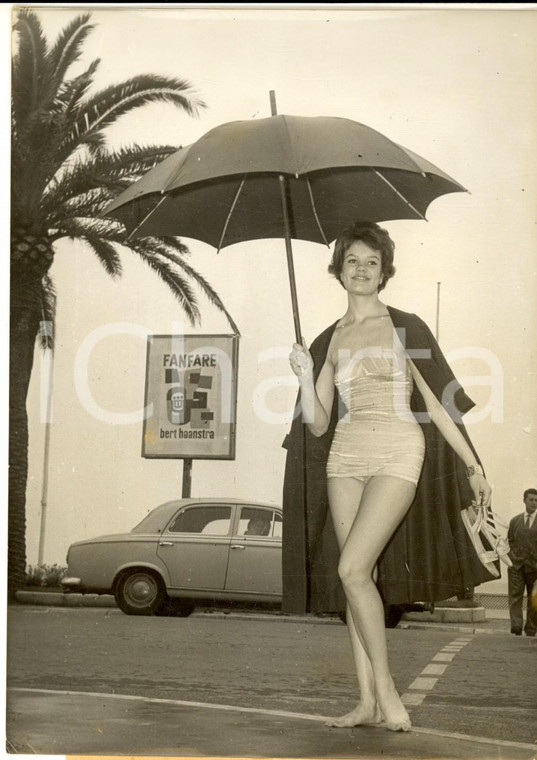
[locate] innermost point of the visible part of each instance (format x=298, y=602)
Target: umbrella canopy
x=224, y=188
x=285, y=176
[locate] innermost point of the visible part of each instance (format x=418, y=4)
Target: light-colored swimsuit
x=379, y=434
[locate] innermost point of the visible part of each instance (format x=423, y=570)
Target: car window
x=278, y=525
x=256, y=522
x=213, y=520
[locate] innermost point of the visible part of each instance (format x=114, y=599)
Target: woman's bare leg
x=346, y=493
x=383, y=504
x=367, y=711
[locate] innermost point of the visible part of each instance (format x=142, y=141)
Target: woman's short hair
x=372, y=235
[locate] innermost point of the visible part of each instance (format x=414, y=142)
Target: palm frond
x=210, y=292
x=63, y=110
x=165, y=248
x=62, y=175
x=111, y=169
x=172, y=245
x=106, y=253
x=70, y=94
x=89, y=204
x=177, y=284
x=31, y=70
x=106, y=106
x=48, y=314
x=68, y=46
x=80, y=227
x=33, y=151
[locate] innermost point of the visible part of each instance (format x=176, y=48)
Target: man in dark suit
x=522, y=575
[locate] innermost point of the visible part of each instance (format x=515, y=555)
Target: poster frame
x=234, y=356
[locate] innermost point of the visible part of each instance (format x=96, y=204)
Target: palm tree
x=63, y=175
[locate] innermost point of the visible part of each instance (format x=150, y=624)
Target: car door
x=195, y=546
x=256, y=550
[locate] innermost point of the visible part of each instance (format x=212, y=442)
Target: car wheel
x=392, y=615
x=176, y=608
x=342, y=615
x=140, y=592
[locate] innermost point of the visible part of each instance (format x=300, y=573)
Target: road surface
x=453, y=683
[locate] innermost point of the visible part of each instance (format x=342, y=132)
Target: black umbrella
x=291, y=177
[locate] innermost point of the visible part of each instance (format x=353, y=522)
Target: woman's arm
x=316, y=399
x=452, y=434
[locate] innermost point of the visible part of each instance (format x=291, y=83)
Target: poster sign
x=190, y=397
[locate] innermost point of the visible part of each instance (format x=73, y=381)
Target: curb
x=60, y=599
x=450, y=615
x=454, y=627
x=74, y=600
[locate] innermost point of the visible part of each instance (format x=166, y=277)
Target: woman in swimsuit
x=376, y=454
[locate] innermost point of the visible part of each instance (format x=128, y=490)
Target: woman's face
x=361, y=272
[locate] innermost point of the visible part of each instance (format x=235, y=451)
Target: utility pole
x=437, y=330
x=46, y=328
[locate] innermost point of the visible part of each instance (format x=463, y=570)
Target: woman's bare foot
x=404, y=725
x=362, y=715
x=395, y=716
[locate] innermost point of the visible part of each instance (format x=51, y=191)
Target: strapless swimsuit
x=379, y=434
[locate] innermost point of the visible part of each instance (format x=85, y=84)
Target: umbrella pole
x=298, y=332
x=290, y=264
x=288, y=246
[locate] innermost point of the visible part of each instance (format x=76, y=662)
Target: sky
x=457, y=86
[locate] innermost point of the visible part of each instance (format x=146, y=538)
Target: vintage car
x=182, y=552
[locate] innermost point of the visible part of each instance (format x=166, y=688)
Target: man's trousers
x=520, y=580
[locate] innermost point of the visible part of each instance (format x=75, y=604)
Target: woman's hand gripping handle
x=316, y=398
x=301, y=360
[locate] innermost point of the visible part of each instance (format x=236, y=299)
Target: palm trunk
x=24, y=327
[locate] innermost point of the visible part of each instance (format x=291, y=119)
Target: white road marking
x=433, y=670
x=443, y=657
x=412, y=699
x=180, y=703
x=423, y=684
x=278, y=713
x=469, y=737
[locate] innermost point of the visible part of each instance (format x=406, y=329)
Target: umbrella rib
x=228, y=218
x=146, y=217
x=383, y=178
x=315, y=213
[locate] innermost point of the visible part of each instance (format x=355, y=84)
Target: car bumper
x=71, y=584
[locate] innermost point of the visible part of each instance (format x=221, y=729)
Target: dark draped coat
x=430, y=556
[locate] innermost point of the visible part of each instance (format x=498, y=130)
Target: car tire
x=342, y=615
x=392, y=615
x=171, y=607
x=140, y=592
